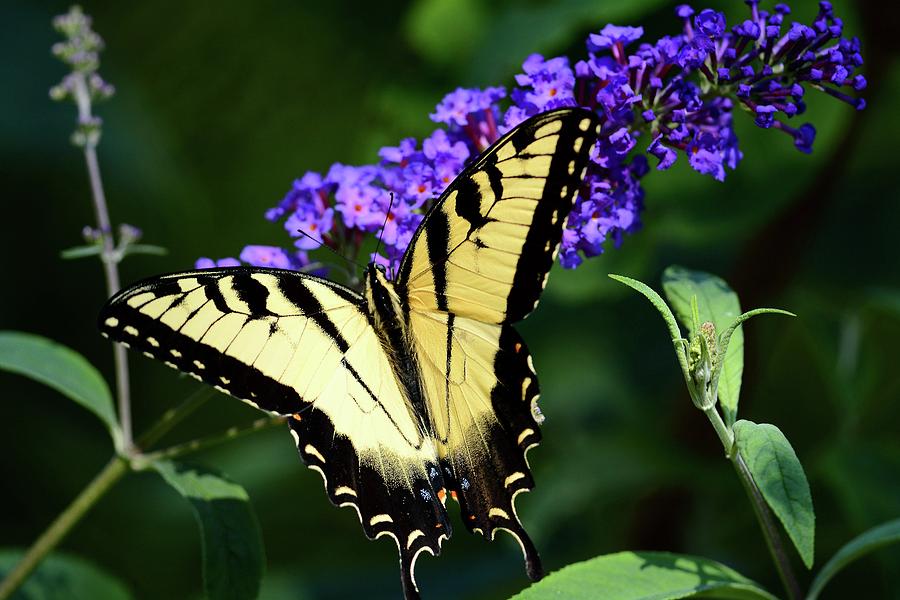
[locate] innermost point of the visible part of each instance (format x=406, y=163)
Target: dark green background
x=221, y=104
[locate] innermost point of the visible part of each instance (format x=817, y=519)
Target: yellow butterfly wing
x=302, y=347
x=486, y=247
x=479, y=262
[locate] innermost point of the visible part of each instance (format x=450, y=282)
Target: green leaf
x=145, y=249
x=873, y=539
x=717, y=303
x=779, y=476
x=61, y=368
x=233, y=555
x=81, y=251
x=644, y=576
x=63, y=577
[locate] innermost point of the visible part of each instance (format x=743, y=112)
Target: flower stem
x=111, y=473
x=118, y=466
x=232, y=433
x=769, y=528
x=109, y=257
x=174, y=416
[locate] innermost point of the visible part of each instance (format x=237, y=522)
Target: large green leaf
x=644, y=576
x=233, y=555
x=63, y=577
x=873, y=539
x=61, y=368
x=717, y=303
x=780, y=478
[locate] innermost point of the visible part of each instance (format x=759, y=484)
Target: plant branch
x=232, y=433
x=114, y=470
x=769, y=528
x=174, y=416
x=96, y=489
x=109, y=256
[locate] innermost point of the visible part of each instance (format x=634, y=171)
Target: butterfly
x=417, y=389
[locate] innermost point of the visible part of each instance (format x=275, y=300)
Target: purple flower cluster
x=663, y=99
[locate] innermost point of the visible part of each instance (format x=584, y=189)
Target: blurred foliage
x=220, y=106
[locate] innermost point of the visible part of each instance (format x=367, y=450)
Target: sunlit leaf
x=644, y=576
x=63, y=577
x=233, y=555
x=719, y=304
x=145, y=249
x=873, y=539
x=779, y=476
x=81, y=251
x=61, y=368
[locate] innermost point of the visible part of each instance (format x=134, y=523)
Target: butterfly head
x=380, y=294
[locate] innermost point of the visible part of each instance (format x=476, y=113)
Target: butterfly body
x=417, y=389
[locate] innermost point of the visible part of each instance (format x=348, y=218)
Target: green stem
x=725, y=434
x=769, y=528
x=173, y=417
x=109, y=257
x=180, y=450
x=114, y=470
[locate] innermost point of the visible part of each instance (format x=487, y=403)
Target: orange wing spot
x=471, y=517
x=453, y=495
x=296, y=416
x=442, y=496
x=438, y=525
x=518, y=347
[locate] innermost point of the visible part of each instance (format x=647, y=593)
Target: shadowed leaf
x=233, y=555
x=63, y=577
x=779, y=476
x=644, y=576
x=61, y=368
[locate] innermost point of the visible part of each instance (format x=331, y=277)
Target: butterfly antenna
x=383, y=225
x=322, y=244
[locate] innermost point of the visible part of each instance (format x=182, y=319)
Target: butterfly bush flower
x=660, y=101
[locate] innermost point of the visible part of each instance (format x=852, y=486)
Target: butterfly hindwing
x=485, y=248
x=483, y=395
x=302, y=347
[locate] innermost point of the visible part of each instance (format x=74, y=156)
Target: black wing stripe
x=438, y=239
x=300, y=295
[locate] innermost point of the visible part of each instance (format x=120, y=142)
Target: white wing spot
x=513, y=478
x=199, y=365
x=526, y=432
x=131, y=330
x=536, y=410
x=345, y=490
x=464, y=484
x=148, y=355
x=111, y=322
x=577, y=145
x=224, y=380
x=571, y=168
x=498, y=512
x=564, y=192
x=380, y=519
x=175, y=353
x=584, y=125
x=311, y=450
x=417, y=533
x=152, y=341
x=426, y=495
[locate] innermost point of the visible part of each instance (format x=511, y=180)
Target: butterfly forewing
x=486, y=247
x=301, y=347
